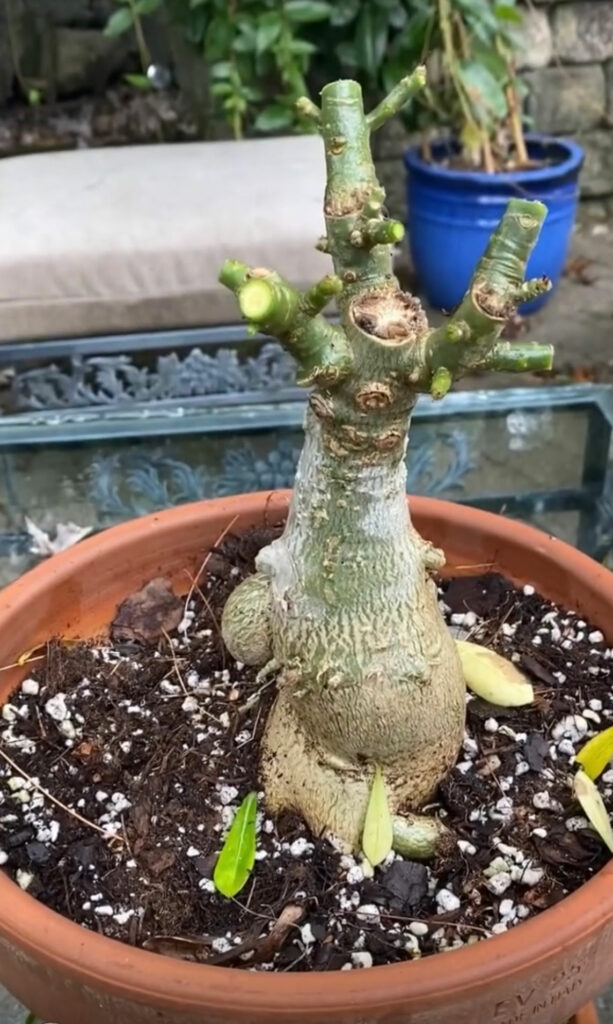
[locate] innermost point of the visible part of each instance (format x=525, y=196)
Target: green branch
x=317, y=297
x=469, y=340
x=518, y=357
x=308, y=109
x=275, y=307
x=377, y=232
x=396, y=99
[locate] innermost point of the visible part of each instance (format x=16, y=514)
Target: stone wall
x=570, y=78
x=567, y=63
x=59, y=42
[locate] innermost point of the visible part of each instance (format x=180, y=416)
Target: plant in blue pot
x=476, y=156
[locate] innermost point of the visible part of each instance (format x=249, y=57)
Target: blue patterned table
x=98, y=430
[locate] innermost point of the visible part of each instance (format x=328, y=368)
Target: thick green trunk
x=370, y=674
x=342, y=606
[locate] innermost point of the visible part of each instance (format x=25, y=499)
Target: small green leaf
x=591, y=801
x=302, y=47
x=471, y=136
x=119, y=22
x=218, y=40
x=493, y=677
x=486, y=94
x=146, y=6
x=346, y=53
x=378, y=832
x=493, y=61
x=344, y=11
x=507, y=12
x=194, y=26
x=371, y=39
x=237, y=857
x=35, y=97
x=595, y=755
x=268, y=31
x=413, y=37
x=274, y=118
x=221, y=89
x=306, y=10
x=222, y=69
x=138, y=81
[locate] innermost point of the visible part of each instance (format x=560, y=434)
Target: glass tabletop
x=540, y=454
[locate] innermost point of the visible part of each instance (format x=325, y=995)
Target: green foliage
x=119, y=22
x=138, y=82
x=262, y=55
x=237, y=856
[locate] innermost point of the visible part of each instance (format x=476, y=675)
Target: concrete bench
x=131, y=239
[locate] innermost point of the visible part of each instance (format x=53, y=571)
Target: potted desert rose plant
x=237, y=745
x=460, y=180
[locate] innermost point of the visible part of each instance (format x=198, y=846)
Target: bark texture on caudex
x=343, y=608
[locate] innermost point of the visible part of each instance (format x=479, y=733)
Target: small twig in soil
x=206, y=559
x=41, y=726
x=252, y=701
x=58, y=803
x=125, y=836
x=175, y=663
x=474, y=565
x=438, y=921
x=20, y=664
x=204, y=599
x=209, y=609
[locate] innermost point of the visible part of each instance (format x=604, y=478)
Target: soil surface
x=147, y=742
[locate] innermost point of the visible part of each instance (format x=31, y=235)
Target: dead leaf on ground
x=583, y=374
x=578, y=269
x=88, y=750
x=536, y=750
x=180, y=948
x=254, y=949
x=140, y=819
x=158, y=861
x=537, y=670
x=149, y=613
x=568, y=848
x=268, y=945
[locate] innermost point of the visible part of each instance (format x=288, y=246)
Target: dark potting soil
x=151, y=747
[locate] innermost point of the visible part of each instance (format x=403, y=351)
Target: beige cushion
x=128, y=239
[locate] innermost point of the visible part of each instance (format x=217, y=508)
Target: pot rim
x=570, y=164
x=98, y=961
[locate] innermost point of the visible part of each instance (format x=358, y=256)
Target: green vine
x=262, y=55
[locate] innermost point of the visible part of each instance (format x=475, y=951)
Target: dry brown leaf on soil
x=254, y=949
x=146, y=615
x=180, y=948
x=578, y=269
x=583, y=374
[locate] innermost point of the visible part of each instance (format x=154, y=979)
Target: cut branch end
x=257, y=300
x=398, y=98
x=308, y=109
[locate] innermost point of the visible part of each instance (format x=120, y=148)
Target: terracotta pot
x=587, y=1015
x=541, y=971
